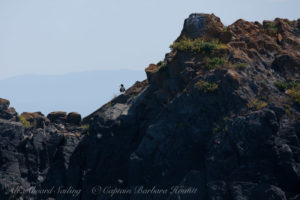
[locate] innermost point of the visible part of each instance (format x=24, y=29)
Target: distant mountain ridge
x=82, y=92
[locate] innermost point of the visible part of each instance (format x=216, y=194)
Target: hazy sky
x=61, y=36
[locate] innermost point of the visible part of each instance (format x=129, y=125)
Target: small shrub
x=25, y=123
x=86, y=128
x=282, y=86
x=225, y=119
x=240, y=66
x=295, y=94
x=287, y=110
x=294, y=91
x=206, y=86
x=263, y=83
x=219, y=127
x=216, y=129
x=256, y=103
x=215, y=62
x=294, y=84
x=272, y=26
x=264, y=98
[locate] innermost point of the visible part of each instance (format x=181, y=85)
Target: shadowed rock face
x=225, y=122
x=74, y=118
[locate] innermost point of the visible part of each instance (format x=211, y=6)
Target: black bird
x=122, y=88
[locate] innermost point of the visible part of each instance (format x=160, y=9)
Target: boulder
x=36, y=119
x=151, y=70
x=4, y=104
x=202, y=25
x=6, y=112
x=225, y=36
x=287, y=64
x=74, y=118
x=12, y=110
x=57, y=116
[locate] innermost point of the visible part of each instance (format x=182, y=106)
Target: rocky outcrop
x=36, y=119
x=32, y=148
x=218, y=118
x=57, y=116
x=4, y=104
x=287, y=64
x=7, y=112
x=74, y=118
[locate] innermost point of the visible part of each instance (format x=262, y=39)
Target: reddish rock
x=4, y=104
x=225, y=37
x=36, y=119
x=151, y=70
x=12, y=111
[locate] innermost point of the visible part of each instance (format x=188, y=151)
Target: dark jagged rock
x=223, y=120
x=74, y=118
x=6, y=112
x=36, y=119
x=287, y=64
x=30, y=156
x=57, y=117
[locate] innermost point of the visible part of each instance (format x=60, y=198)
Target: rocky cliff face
x=219, y=116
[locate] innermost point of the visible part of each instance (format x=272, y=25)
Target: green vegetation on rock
x=25, y=123
x=272, y=26
x=294, y=92
x=240, y=66
x=206, y=86
x=197, y=45
x=282, y=86
x=215, y=62
x=86, y=128
x=292, y=89
x=256, y=103
x=287, y=109
x=263, y=83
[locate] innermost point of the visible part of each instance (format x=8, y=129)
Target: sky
x=63, y=36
